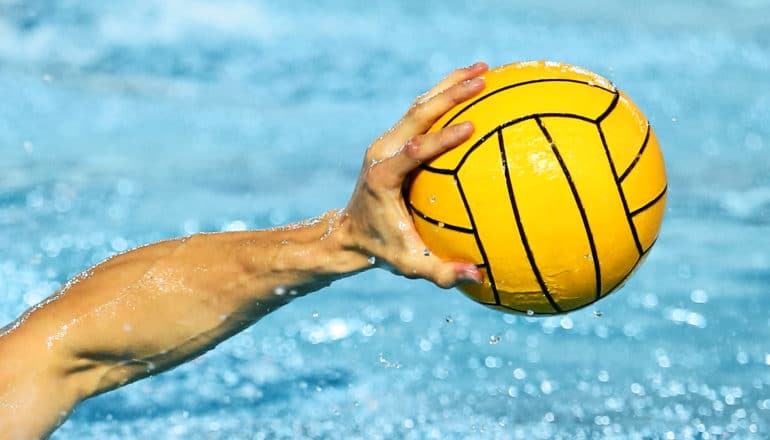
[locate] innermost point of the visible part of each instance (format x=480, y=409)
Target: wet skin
x=160, y=305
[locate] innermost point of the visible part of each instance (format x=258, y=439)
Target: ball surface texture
x=557, y=197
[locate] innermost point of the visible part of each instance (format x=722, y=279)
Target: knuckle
x=374, y=176
x=445, y=281
x=445, y=277
x=413, y=146
x=380, y=179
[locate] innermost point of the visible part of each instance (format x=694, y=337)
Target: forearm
x=162, y=304
x=155, y=307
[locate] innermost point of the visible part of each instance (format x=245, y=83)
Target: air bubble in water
x=494, y=339
x=279, y=291
x=441, y=224
x=530, y=312
x=597, y=314
x=432, y=199
x=372, y=259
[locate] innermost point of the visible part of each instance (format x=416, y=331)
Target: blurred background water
x=125, y=122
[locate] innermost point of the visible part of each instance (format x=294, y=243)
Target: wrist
x=303, y=256
x=340, y=254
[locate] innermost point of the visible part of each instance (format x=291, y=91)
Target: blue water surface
x=126, y=122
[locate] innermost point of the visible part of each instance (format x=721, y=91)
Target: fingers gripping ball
x=557, y=197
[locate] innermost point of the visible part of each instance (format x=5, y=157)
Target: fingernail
x=464, y=128
x=471, y=274
x=475, y=65
x=474, y=83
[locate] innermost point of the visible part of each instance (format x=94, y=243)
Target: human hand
x=378, y=222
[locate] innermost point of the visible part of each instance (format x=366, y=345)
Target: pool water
x=126, y=122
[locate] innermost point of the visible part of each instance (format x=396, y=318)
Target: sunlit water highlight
x=125, y=122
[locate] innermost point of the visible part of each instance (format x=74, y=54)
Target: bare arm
x=158, y=306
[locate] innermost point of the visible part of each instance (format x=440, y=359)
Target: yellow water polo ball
x=557, y=197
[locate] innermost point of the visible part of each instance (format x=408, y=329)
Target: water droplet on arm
x=426, y=252
x=279, y=291
x=372, y=259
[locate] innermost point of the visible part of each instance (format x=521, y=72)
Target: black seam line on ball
x=611, y=107
x=478, y=241
x=646, y=251
x=436, y=170
x=637, y=157
x=631, y=271
x=633, y=267
x=580, y=207
x=439, y=223
x=622, y=195
x=512, y=122
x=511, y=86
x=625, y=277
x=520, y=227
x=651, y=203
